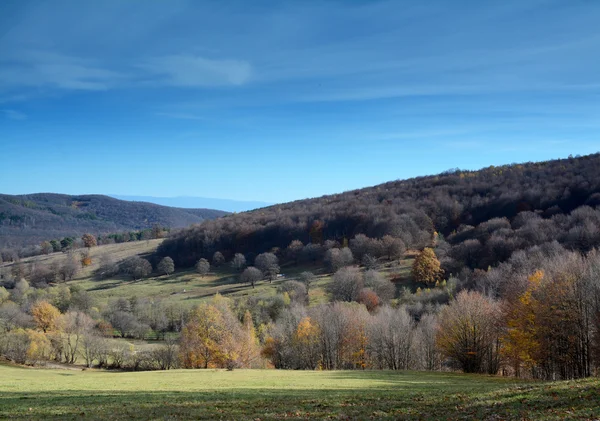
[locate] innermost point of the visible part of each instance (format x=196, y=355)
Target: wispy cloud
x=14, y=115
x=196, y=71
x=181, y=116
x=49, y=69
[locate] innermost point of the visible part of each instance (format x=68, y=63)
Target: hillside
x=483, y=216
x=29, y=219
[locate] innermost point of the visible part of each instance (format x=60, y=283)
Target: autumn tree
x=520, y=342
x=369, y=298
x=166, y=266
x=306, y=341
x=214, y=337
x=45, y=315
x=426, y=267
x=200, y=338
x=89, y=240
x=249, y=351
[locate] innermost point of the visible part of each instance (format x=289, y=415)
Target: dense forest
x=30, y=219
x=480, y=218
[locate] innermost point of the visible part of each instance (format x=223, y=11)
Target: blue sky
x=276, y=101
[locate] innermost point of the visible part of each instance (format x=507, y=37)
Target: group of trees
x=347, y=336
x=541, y=322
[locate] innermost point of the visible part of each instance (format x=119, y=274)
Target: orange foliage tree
x=520, y=343
x=45, y=315
x=426, y=267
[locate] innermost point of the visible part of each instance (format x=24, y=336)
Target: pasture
x=36, y=394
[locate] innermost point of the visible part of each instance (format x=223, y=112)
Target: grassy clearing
x=187, y=287
x=274, y=394
x=119, y=251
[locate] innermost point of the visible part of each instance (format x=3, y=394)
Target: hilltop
x=29, y=219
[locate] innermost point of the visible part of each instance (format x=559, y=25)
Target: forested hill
x=483, y=216
x=29, y=219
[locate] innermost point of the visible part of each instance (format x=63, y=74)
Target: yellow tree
x=39, y=346
x=248, y=344
x=520, y=344
x=202, y=338
x=306, y=339
x=45, y=315
x=426, y=267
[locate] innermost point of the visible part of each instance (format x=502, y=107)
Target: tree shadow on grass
x=372, y=402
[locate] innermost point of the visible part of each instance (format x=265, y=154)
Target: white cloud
x=14, y=115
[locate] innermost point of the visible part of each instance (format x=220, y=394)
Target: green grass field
x=187, y=287
x=276, y=394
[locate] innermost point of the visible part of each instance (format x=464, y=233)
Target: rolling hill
x=29, y=219
x=482, y=216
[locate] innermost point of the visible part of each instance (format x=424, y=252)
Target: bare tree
x=268, y=264
x=75, y=326
x=202, y=267
x=107, y=267
x=307, y=278
x=294, y=250
x=218, y=259
x=392, y=338
x=296, y=291
x=166, y=266
x=136, y=267
x=381, y=286
x=166, y=355
x=238, y=262
x=251, y=275
x=469, y=332
x=346, y=284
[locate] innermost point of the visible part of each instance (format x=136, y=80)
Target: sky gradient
x=277, y=101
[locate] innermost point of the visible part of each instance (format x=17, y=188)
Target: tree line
x=536, y=316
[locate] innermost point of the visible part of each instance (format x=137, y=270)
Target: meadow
x=35, y=394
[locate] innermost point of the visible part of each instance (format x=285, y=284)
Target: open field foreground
x=273, y=394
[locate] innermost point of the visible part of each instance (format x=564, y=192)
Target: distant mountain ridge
x=186, y=202
x=31, y=218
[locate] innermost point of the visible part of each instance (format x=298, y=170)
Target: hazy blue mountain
x=198, y=202
x=31, y=218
